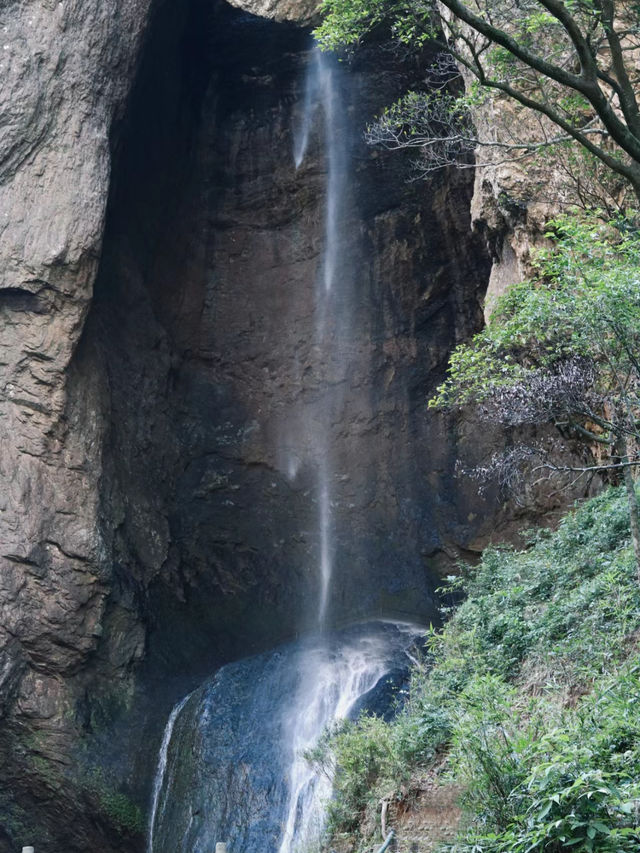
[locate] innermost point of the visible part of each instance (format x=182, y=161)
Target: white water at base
x=161, y=769
x=232, y=767
x=333, y=682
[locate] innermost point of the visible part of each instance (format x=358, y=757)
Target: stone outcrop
x=66, y=71
x=300, y=11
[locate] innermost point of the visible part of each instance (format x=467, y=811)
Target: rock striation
x=299, y=11
x=66, y=72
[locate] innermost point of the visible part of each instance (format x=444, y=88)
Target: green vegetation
x=566, y=69
x=583, y=302
x=529, y=701
x=563, y=349
x=125, y=815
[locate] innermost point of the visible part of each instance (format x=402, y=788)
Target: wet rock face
x=205, y=319
x=234, y=767
x=66, y=68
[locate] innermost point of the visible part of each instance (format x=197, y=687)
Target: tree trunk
x=632, y=498
x=635, y=183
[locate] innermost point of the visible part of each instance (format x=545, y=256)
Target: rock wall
x=202, y=318
x=66, y=71
x=301, y=11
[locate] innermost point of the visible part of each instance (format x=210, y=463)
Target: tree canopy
x=564, y=348
x=573, y=65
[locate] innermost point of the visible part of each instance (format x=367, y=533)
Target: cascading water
x=232, y=765
x=159, y=781
x=233, y=768
x=324, y=694
x=333, y=680
x=323, y=106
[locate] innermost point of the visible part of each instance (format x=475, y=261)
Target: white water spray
x=333, y=682
x=161, y=768
x=322, y=102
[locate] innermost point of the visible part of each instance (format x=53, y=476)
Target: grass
x=528, y=701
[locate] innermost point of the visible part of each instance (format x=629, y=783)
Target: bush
x=357, y=756
x=552, y=780
x=533, y=694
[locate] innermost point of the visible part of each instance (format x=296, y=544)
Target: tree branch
x=586, y=83
x=627, y=171
x=586, y=469
x=498, y=36
x=624, y=88
x=580, y=43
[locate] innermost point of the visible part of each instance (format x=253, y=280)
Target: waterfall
x=161, y=769
x=239, y=772
x=326, y=561
x=322, y=103
x=321, y=92
x=331, y=685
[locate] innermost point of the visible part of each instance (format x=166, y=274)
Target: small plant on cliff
x=115, y=805
x=564, y=348
x=569, y=68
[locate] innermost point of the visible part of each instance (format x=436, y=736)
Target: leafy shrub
x=533, y=693
x=552, y=780
x=363, y=755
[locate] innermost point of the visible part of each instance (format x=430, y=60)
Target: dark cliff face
x=195, y=360
x=202, y=327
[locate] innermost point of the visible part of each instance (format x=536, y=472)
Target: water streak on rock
x=161, y=769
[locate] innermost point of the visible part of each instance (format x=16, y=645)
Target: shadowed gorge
x=204, y=314
x=205, y=325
